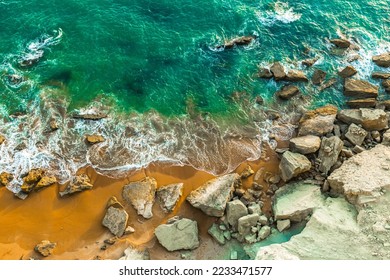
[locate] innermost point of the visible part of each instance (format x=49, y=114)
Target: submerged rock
x=327, y=84
x=179, y=235
x=213, y=196
x=169, y=195
x=288, y=91
x=141, y=195
x=310, y=62
x=329, y=152
x=78, y=184
x=277, y=70
x=370, y=119
x=293, y=164
x=318, y=122
x=305, y=144
x=115, y=220
x=360, y=89
x=45, y=248
x=382, y=60
x=347, y=72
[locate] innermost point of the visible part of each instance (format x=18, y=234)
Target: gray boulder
x=360, y=89
x=246, y=223
x=370, y=119
x=179, y=235
x=382, y=60
x=116, y=220
x=305, y=144
x=293, y=164
x=213, y=196
x=234, y=210
x=318, y=122
x=169, y=195
x=356, y=134
x=329, y=152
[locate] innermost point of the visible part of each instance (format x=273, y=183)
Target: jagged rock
x=360, y=89
x=370, y=119
x=113, y=202
x=380, y=75
x=296, y=76
x=31, y=179
x=277, y=70
x=78, y=184
x=341, y=43
x=5, y=178
x=305, y=144
x=293, y=164
x=282, y=225
x=212, y=197
x=265, y=73
x=141, y=195
x=286, y=92
x=129, y=230
x=248, y=171
x=362, y=177
x=180, y=235
x=45, y=181
x=318, y=122
x=347, y=72
x=45, y=248
x=329, y=152
x=318, y=76
x=327, y=84
x=169, y=195
x=245, y=223
x=310, y=62
x=134, y=254
x=94, y=139
x=234, y=210
x=239, y=41
x=264, y=232
x=2, y=139
x=382, y=60
x=296, y=201
x=116, y=220
x=254, y=208
x=217, y=234
x=356, y=134
x=362, y=103
x=386, y=85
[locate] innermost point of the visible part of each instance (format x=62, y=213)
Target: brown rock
x=386, y=85
x=78, y=184
x=53, y=125
x=45, y=248
x=347, y=72
x=310, y=62
x=116, y=220
x=362, y=103
x=265, y=73
x=318, y=122
x=341, y=43
x=360, y=89
x=113, y=201
x=31, y=179
x=380, y=75
x=296, y=76
x=382, y=60
x=45, y=182
x=5, y=178
x=94, y=116
x=277, y=70
x=318, y=76
x=94, y=139
x=370, y=119
x=248, y=171
x=2, y=139
x=286, y=92
x=239, y=41
x=328, y=84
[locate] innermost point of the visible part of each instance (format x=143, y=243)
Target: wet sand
x=74, y=222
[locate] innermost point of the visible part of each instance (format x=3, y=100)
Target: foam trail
x=281, y=12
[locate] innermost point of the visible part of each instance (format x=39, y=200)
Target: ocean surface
x=154, y=67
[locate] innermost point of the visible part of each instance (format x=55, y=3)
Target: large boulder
x=277, y=70
x=293, y=164
x=115, y=220
x=380, y=75
x=213, y=196
x=141, y=195
x=360, y=89
x=234, y=210
x=78, y=184
x=370, y=119
x=318, y=122
x=382, y=60
x=286, y=92
x=329, y=152
x=305, y=144
x=179, y=235
x=347, y=72
x=169, y=195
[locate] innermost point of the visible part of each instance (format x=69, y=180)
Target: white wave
x=281, y=12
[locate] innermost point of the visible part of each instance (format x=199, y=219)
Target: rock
x=382, y=60
x=2, y=139
x=5, y=178
x=248, y=171
x=347, y=72
x=113, y=202
x=329, y=152
x=356, y=134
x=45, y=248
x=29, y=62
x=134, y=254
x=212, y=197
x=277, y=70
x=341, y=43
x=169, y=195
x=46, y=181
x=288, y=91
x=305, y=144
x=180, y=235
x=386, y=138
x=318, y=122
x=358, y=149
x=327, y=84
x=263, y=220
x=78, y=184
x=362, y=103
x=31, y=179
x=140, y=195
x=264, y=232
x=363, y=176
x=14, y=79
x=259, y=100
x=265, y=73
x=239, y=41
x=90, y=115
x=245, y=223
x=318, y=76
x=296, y=201
x=293, y=164
x=94, y=139
x=370, y=119
x=54, y=125
x=250, y=238
x=380, y=75
x=282, y=225
x=129, y=230
x=296, y=76
x=353, y=57
x=310, y=62
x=360, y=89
x=217, y=234
x=116, y=220
x=111, y=241
x=386, y=85
x=234, y=210
x=254, y=208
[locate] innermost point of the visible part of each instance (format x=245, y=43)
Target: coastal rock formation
x=286, y=92
x=78, y=184
x=347, y=72
x=45, y=248
x=362, y=103
x=382, y=60
x=169, y=195
x=141, y=195
x=317, y=122
x=341, y=43
x=179, y=235
x=380, y=75
x=356, y=134
x=360, y=89
x=277, y=70
x=293, y=164
x=370, y=119
x=31, y=180
x=116, y=220
x=296, y=76
x=329, y=152
x=94, y=139
x=305, y=144
x=234, y=210
x=213, y=196
x=318, y=76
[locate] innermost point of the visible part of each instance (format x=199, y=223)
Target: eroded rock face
x=318, y=122
x=169, y=195
x=78, y=184
x=360, y=89
x=305, y=144
x=141, y=196
x=382, y=60
x=370, y=119
x=329, y=152
x=213, y=196
x=179, y=235
x=293, y=164
x=45, y=248
x=115, y=220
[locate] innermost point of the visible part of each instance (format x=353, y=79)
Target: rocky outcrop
x=329, y=153
x=296, y=76
x=305, y=144
x=277, y=71
x=94, y=139
x=213, y=196
x=234, y=210
x=318, y=76
x=286, y=92
x=180, y=235
x=45, y=248
x=141, y=195
x=347, y=72
x=362, y=103
x=78, y=184
x=317, y=122
x=293, y=164
x=31, y=179
x=116, y=220
x=169, y=195
x=370, y=119
x=356, y=134
x=341, y=43
x=360, y=89
x=382, y=60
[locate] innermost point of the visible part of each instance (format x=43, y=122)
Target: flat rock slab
x=234, y=210
x=318, y=122
x=382, y=60
x=360, y=89
x=287, y=92
x=305, y=144
x=116, y=220
x=169, y=195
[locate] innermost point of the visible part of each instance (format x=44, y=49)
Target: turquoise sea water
x=153, y=65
